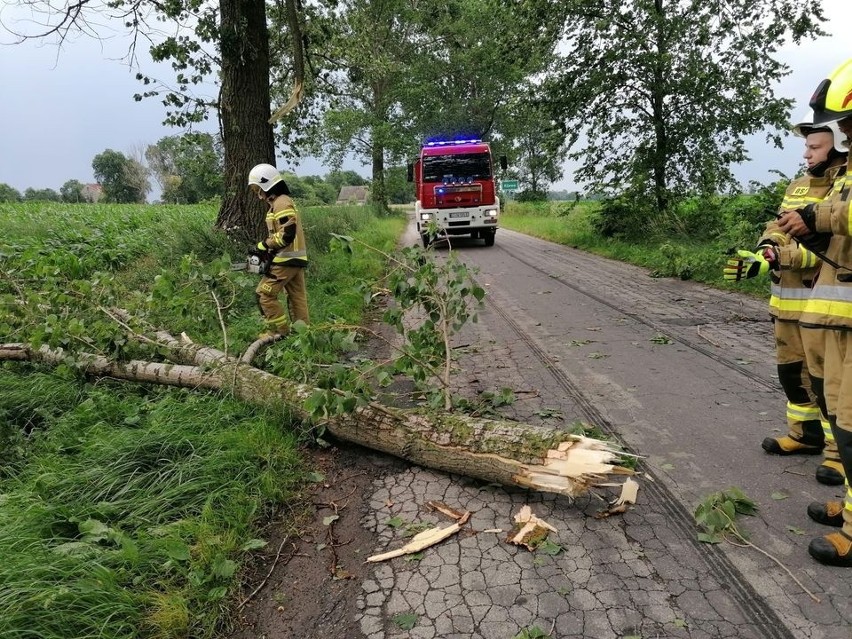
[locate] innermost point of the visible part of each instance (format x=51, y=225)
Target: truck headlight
x=425, y=216
x=490, y=212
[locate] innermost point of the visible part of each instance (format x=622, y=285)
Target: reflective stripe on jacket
x=285, y=235
x=830, y=304
x=791, y=285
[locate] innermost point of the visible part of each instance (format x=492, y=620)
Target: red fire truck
x=455, y=190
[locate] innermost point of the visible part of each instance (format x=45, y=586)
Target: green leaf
x=549, y=548
x=177, y=550
x=253, y=544
x=217, y=594
x=533, y=632
x=395, y=522
x=796, y=531
x=224, y=568
x=709, y=538
x=94, y=530
x=778, y=495
x=316, y=477
x=406, y=620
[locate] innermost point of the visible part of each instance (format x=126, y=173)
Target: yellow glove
x=746, y=266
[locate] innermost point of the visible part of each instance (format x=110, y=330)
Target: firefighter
x=792, y=269
x=830, y=307
x=283, y=252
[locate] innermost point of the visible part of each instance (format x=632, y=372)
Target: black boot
x=828, y=513
x=830, y=473
x=789, y=445
x=832, y=550
x=844, y=445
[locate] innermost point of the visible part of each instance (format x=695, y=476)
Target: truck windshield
x=453, y=168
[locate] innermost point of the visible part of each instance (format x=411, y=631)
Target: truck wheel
x=426, y=240
x=489, y=238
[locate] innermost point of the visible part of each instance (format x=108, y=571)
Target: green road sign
x=509, y=185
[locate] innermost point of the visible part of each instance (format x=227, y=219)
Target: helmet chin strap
x=819, y=169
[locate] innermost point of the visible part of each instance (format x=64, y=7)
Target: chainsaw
x=254, y=264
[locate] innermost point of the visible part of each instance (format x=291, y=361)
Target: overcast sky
x=59, y=109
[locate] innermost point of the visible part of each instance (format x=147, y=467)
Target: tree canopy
x=662, y=93
x=653, y=97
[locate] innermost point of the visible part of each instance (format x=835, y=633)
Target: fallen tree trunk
x=508, y=453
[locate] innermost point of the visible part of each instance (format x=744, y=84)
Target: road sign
x=508, y=185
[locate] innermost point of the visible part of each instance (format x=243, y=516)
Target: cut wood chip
x=423, y=540
x=441, y=507
x=529, y=530
x=629, y=492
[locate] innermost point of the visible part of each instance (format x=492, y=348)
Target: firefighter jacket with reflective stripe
x=830, y=303
x=791, y=284
x=285, y=235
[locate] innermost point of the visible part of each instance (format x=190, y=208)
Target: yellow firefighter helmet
x=832, y=100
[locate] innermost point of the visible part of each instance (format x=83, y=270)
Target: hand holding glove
x=748, y=264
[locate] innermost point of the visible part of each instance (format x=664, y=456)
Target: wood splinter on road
x=423, y=540
x=530, y=530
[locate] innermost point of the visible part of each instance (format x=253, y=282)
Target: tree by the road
x=477, y=59
x=666, y=92
x=537, y=147
x=369, y=53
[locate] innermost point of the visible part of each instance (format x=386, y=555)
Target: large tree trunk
x=244, y=112
x=507, y=453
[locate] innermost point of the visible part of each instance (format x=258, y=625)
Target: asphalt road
x=679, y=373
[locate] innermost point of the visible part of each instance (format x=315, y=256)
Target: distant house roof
x=352, y=195
x=92, y=192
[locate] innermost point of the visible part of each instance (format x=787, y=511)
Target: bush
x=623, y=216
x=745, y=216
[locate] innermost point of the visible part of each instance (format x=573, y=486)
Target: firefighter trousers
x=838, y=397
x=814, y=343
x=283, y=278
x=803, y=411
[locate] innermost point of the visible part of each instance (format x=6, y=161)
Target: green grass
x=696, y=258
x=127, y=511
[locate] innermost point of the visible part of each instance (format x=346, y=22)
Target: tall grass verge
x=127, y=511
x=662, y=249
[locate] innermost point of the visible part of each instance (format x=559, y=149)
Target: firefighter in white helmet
x=283, y=251
x=793, y=269
x=829, y=311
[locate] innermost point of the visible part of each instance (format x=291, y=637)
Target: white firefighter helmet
x=805, y=126
x=264, y=176
x=805, y=121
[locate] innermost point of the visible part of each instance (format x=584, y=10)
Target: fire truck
x=455, y=190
